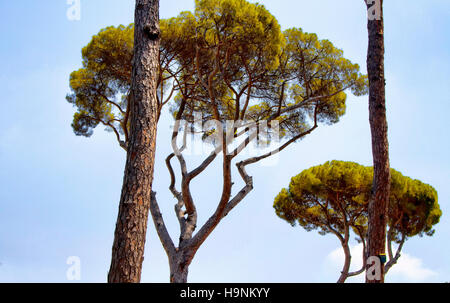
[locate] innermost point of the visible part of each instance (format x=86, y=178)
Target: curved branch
x=226, y=206
x=363, y=268
x=248, y=187
x=300, y=104
x=190, y=224
x=276, y=151
x=214, y=220
x=109, y=101
x=160, y=226
x=249, y=90
x=122, y=144
x=172, y=188
x=394, y=260
x=180, y=203
x=199, y=169
x=169, y=97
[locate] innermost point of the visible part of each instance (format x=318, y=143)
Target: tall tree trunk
x=378, y=204
x=131, y=227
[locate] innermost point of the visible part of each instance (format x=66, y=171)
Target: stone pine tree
x=228, y=61
x=333, y=199
x=413, y=211
x=114, y=90
x=378, y=205
x=240, y=72
x=131, y=226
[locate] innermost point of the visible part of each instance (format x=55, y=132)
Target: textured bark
x=380, y=147
x=131, y=227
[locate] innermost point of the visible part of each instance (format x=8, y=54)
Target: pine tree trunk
x=380, y=146
x=131, y=226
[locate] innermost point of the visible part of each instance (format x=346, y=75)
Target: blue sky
x=59, y=193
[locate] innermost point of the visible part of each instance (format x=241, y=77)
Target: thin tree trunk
x=346, y=268
x=378, y=204
x=179, y=267
x=131, y=226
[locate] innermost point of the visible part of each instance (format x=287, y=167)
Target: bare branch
x=197, y=65
x=169, y=97
x=122, y=144
x=393, y=261
x=243, y=192
x=224, y=206
x=189, y=225
x=160, y=226
x=274, y=152
x=247, y=140
x=180, y=203
x=363, y=268
x=172, y=188
x=214, y=220
x=109, y=101
x=303, y=103
x=194, y=173
x=358, y=272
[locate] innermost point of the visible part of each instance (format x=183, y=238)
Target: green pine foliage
x=324, y=197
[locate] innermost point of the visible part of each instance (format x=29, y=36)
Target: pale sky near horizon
x=59, y=193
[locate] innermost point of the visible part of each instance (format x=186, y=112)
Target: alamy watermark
x=73, y=273
x=74, y=11
x=374, y=10
x=234, y=137
x=373, y=272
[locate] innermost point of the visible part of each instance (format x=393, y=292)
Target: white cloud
x=408, y=268
x=335, y=261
